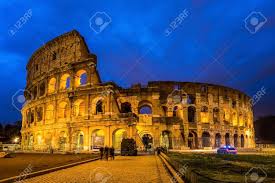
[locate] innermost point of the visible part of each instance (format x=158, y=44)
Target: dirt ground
x=20, y=162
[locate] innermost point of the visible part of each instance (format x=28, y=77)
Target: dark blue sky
x=210, y=45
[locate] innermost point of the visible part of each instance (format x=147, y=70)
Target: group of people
x=107, y=151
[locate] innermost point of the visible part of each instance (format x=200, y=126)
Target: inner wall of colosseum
x=69, y=108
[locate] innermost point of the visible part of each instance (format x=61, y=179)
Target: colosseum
x=70, y=109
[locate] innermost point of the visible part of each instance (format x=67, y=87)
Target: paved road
x=139, y=169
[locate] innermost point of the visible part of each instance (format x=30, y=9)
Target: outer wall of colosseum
x=70, y=109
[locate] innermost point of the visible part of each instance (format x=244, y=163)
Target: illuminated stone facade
x=69, y=108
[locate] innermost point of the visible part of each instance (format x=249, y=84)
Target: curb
x=21, y=178
x=170, y=169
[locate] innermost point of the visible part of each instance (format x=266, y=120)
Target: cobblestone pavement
x=139, y=169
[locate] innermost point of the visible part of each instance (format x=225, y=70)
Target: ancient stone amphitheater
x=69, y=108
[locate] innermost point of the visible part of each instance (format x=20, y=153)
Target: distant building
x=70, y=108
x=265, y=144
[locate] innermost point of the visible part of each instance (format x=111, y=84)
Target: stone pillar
x=86, y=139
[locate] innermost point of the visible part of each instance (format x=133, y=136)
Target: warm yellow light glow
x=16, y=140
x=78, y=77
x=52, y=85
x=63, y=81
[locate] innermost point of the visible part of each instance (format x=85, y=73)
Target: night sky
x=210, y=43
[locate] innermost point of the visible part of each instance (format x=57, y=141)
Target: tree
x=1, y=130
x=265, y=127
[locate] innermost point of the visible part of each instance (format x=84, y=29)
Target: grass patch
x=224, y=168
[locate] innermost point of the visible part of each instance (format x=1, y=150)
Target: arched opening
x=65, y=81
x=166, y=139
x=218, y=140
x=235, y=119
x=241, y=120
x=147, y=141
x=79, y=141
x=80, y=78
x=62, y=141
x=242, y=140
x=39, y=140
x=118, y=135
x=175, y=110
x=226, y=115
x=63, y=109
x=42, y=89
x=204, y=115
x=52, y=85
x=227, y=139
x=99, y=107
x=48, y=140
x=79, y=108
x=235, y=140
x=39, y=114
x=97, y=140
x=192, y=140
x=206, y=139
x=126, y=107
x=49, y=112
x=191, y=99
x=191, y=114
x=216, y=114
x=30, y=142
x=145, y=109
x=164, y=108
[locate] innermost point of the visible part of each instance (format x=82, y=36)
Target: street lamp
x=16, y=140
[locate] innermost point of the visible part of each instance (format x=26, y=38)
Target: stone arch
x=79, y=107
x=166, y=139
x=81, y=78
x=63, y=110
x=226, y=115
x=78, y=140
x=62, y=141
x=204, y=115
x=241, y=119
x=98, y=104
x=218, y=138
x=145, y=107
x=234, y=118
x=192, y=140
x=242, y=140
x=97, y=139
x=191, y=114
x=118, y=135
x=175, y=111
x=126, y=107
x=52, y=85
x=227, y=139
x=99, y=107
x=49, y=112
x=39, y=139
x=165, y=109
x=235, y=140
x=216, y=115
x=65, y=81
x=191, y=99
x=206, y=139
x=48, y=140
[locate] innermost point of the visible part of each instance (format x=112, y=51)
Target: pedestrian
x=112, y=153
x=106, y=152
x=158, y=150
x=101, y=149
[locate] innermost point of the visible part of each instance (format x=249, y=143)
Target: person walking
x=101, y=149
x=112, y=153
x=106, y=152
